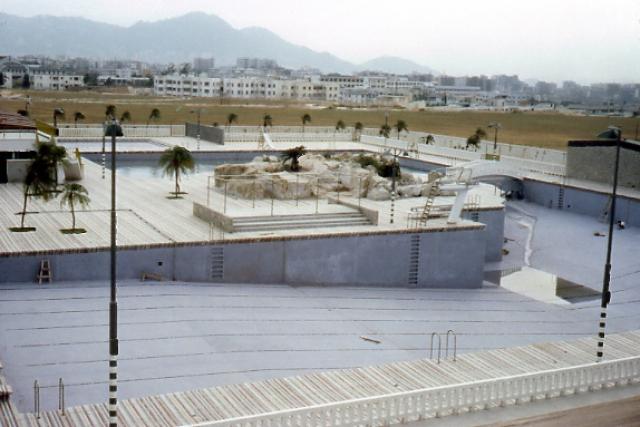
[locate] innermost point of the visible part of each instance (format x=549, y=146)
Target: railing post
x=36, y=398
x=61, y=395
x=272, y=194
x=455, y=344
x=434, y=334
x=253, y=199
x=317, y=192
x=225, y=196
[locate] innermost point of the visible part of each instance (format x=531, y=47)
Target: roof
x=10, y=120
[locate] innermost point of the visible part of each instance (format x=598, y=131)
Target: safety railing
x=36, y=397
x=409, y=406
x=289, y=137
x=267, y=189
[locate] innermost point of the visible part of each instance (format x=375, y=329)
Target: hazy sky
x=582, y=40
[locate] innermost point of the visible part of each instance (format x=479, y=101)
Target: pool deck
x=147, y=217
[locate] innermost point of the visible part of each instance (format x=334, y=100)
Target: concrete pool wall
x=451, y=258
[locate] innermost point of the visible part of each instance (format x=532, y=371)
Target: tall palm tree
x=476, y=138
x=110, y=112
x=400, y=126
x=177, y=160
x=429, y=139
x=77, y=116
x=306, y=118
x=58, y=113
x=125, y=117
x=52, y=155
x=357, y=130
x=340, y=126
x=293, y=154
x=154, y=115
x=385, y=130
x=73, y=194
x=38, y=182
x=267, y=120
x=232, y=118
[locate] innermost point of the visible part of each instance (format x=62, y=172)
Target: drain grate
x=414, y=259
x=217, y=262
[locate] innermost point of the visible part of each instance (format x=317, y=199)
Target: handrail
x=455, y=344
x=61, y=396
x=417, y=404
x=439, y=346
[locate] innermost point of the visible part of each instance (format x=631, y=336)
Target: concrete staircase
x=287, y=222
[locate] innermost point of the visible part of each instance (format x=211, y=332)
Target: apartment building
x=245, y=87
x=55, y=80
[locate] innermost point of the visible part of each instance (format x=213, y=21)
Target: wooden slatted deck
x=333, y=386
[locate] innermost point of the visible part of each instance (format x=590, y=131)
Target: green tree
x=232, y=118
x=154, y=115
x=39, y=181
x=385, y=130
x=357, y=131
x=58, y=113
x=52, y=155
x=23, y=113
x=77, y=116
x=125, y=117
x=476, y=138
x=177, y=160
x=293, y=154
x=267, y=120
x=110, y=112
x=340, y=126
x=400, y=126
x=73, y=194
x=306, y=118
x=429, y=139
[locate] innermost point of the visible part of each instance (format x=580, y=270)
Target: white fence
x=131, y=131
x=343, y=136
x=430, y=402
x=456, y=155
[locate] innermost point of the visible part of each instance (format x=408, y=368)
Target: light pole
x=113, y=130
x=495, y=126
x=198, y=129
x=612, y=133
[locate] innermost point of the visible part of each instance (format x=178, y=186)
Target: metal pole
x=61, y=395
x=198, y=134
x=317, y=192
x=297, y=188
x=272, y=194
x=113, y=304
x=606, y=295
x=224, y=209
x=36, y=398
x=253, y=200
x=359, y=190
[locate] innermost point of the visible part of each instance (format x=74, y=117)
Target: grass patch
x=73, y=230
x=21, y=229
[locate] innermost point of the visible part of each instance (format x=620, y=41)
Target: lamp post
x=495, y=126
x=198, y=129
x=612, y=133
x=113, y=130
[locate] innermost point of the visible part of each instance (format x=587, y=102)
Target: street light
x=113, y=130
x=495, y=126
x=197, y=131
x=613, y=133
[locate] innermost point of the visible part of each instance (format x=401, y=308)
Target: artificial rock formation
x=267, y=177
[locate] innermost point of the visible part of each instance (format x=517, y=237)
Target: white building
x=55, y=80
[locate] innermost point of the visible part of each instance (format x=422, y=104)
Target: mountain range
x=178, y=39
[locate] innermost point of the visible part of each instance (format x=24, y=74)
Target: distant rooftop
x=12, y=121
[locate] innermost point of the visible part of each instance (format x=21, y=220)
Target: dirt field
x=539, y=129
